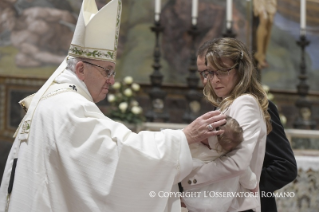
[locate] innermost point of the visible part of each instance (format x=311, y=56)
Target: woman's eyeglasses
x=219, y=73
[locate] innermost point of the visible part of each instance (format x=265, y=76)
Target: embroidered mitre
x=97, y=31
x=95, y=37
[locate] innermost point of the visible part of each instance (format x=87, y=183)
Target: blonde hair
x=247, y=82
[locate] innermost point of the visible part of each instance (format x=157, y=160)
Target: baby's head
x=232, y=136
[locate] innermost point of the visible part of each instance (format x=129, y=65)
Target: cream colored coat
x=77, y=159
x=250, y=153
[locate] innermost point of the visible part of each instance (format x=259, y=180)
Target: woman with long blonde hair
x=235, y=52
x=232, y=87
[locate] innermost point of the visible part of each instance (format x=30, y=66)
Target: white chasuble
x=77, y=159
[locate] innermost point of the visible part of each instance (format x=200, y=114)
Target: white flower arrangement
x=128, y=92
x=135, y=87
x=128, y=80
x=124, y=106
x=116, y=85
x=111, y=98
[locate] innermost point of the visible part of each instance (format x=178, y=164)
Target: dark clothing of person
x=279, y=167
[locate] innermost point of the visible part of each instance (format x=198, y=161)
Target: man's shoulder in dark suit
x=279, y=167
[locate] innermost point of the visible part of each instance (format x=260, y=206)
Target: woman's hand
x=199, y=129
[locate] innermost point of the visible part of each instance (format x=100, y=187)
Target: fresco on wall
x=284, y=55
x=138, y=43
x=35, y=36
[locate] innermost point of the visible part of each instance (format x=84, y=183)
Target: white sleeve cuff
x=185, y=160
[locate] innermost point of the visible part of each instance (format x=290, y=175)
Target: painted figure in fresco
x=7, y=20
x=41, y=34
x=265, y=10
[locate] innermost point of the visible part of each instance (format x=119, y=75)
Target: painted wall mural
x=35, y=36
x=284, y=54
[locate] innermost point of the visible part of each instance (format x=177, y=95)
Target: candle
x=157, y=10
x=229, y=14
x=303, y=17
x=194, y=11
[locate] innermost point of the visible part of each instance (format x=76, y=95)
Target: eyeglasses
x=106, y=72
x=219, y=73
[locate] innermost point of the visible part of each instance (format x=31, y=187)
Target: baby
x=217, y=146
x=232, y=136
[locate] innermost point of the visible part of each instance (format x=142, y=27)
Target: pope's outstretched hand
x=204, y=127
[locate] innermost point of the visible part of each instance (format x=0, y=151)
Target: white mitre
x=95, y=37
x=96, y=33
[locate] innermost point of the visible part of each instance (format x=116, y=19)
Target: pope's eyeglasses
x=106, y=72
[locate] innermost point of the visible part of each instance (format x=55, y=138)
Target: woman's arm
x=248, y=179
x=246, y=111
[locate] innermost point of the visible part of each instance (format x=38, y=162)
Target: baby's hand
x=205, y=142
x=182, y=203
x=255, y=189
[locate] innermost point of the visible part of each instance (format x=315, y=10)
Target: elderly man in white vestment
x=67, y=156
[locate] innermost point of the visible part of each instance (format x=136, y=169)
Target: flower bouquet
x=124, y=107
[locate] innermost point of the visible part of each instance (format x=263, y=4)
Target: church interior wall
x=35, y=36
